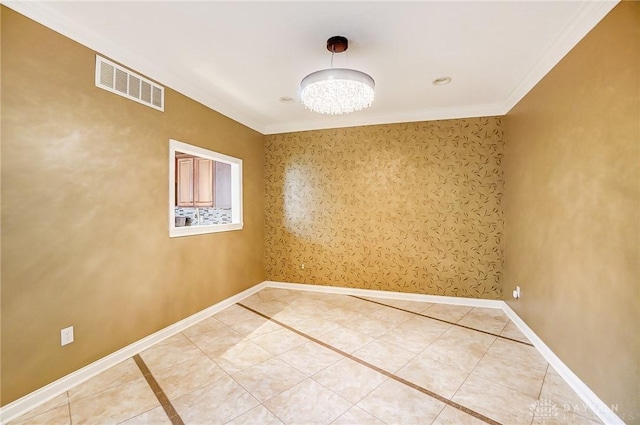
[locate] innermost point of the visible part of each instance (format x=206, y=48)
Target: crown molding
x=44, y=15
x=354, y=120
x=591, y=13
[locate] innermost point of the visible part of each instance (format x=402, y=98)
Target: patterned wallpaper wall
x=412, y=207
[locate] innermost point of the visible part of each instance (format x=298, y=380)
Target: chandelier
x=337, y=91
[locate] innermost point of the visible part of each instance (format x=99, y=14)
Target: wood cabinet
x=204, y=195
x=184, y=181
x=195, y=181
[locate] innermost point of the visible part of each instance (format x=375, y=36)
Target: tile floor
x=299, y=357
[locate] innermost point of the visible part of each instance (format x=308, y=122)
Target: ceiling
x=240, y=57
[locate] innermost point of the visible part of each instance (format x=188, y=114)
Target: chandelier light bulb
x=337, y=91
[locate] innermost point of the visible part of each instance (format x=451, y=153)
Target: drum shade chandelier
x=336, y=91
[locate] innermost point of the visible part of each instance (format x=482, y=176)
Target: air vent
x=121, y=81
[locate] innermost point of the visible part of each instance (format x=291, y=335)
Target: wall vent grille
x=121, y=81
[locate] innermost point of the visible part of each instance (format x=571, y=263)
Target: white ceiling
x=240, y=57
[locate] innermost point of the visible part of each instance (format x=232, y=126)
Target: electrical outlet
x=66, y=336
x=516, y=292
x=302, y=266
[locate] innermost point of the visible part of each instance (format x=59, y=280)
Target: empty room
x=320, y=212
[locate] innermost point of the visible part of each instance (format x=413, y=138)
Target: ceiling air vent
x=119, y=80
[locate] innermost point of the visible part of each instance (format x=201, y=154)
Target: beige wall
x=573, y=209
x=405, y=207
x=85, y=211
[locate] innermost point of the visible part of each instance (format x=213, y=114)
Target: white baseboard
x=48, y=392
x=606, y=415
x=600, y=408
x=32, y=400
x=390, y=295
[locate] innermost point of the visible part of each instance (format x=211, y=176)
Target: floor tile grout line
x=164, y=401
x=585, y=415
x=381, y=371
x=69, y=408
x=443, y=320
x=474, y=368
x=349, y=401
x=213, y=361
x=544, y=379
x=486, y=353
x=446, y=321
x=466, y=314
x=204, y=353
x=415, y=355
x=230, y=375
x=438, y=415
x=271, y=411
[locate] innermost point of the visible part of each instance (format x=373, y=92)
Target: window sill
x=176, y=232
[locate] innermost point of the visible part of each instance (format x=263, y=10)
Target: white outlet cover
x=66, y=336
x=516, y=292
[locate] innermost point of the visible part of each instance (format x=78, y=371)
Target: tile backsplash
x=207, y=215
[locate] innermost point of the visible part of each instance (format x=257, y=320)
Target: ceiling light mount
x=337, y=44
x=337, y=91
